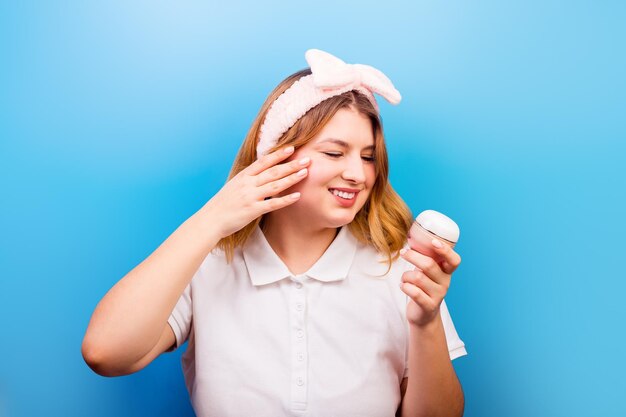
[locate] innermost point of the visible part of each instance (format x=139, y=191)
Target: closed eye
x=366, y=158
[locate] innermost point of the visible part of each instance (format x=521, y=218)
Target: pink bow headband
x=330, y=77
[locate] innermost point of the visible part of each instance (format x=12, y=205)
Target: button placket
x=297, y=312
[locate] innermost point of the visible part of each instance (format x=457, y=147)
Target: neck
x=297, y=244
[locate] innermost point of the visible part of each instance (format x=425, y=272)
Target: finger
x=419, y=296
x=281, y=170
x=277, y=203
x=275, y=187
x=450, y=259
x=419, y=279
x=269, y=160
x=427, y=264
x=445, y=267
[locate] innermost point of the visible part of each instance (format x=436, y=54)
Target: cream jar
x=429, y=225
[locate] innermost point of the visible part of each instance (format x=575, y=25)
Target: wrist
x=207, y=222
x=431, y=326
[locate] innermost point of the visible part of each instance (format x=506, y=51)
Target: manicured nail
x=403, y=251
x=437, y=243
x=289, y=149
x=302, y=172
x=295, y=196
x=304, y=160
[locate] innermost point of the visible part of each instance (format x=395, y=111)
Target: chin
x=340, y=221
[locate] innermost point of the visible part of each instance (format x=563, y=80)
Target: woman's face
x=342, y=171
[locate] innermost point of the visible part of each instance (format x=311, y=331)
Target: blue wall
x=118, y=120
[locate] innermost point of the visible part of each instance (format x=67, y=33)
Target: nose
x=354, y=170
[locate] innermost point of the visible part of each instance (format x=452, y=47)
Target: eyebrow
x=345, y=144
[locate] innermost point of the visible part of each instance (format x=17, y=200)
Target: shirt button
x=298, y=285
x=300, y=357
x=300, y=334
x=300, y=382
x=299, y=307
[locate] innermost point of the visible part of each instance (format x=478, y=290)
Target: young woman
x=291, y=284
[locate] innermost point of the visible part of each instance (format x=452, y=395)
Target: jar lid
x=439, y=224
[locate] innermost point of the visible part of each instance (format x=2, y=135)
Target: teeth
x=342, y=194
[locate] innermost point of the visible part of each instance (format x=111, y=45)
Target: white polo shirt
x=330, y=342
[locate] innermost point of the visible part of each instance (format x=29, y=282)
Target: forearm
x=433, y=387
x=129, y=320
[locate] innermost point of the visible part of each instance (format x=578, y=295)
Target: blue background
x=118, y=120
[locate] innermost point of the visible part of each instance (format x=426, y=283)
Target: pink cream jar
x=429, y=225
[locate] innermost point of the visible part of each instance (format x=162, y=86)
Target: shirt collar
x=265, y=267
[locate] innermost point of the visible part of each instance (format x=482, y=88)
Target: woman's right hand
x=245, y=197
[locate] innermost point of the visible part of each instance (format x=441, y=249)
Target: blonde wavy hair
x=383, y=221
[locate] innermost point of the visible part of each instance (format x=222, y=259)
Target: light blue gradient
x=118, y=120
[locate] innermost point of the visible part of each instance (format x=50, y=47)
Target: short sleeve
x=456, y=347
x=180, y=318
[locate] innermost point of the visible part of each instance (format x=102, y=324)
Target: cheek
x=320, y=171
x=370, y=176
x=317, y=177
x=370, y=181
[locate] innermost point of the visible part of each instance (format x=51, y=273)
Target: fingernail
x=304, y=160
x=437, y=243
x=302, y=172
x=295, y=196
x=289, y=149
x=403, y=251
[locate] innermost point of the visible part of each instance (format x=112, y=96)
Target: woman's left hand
x=428, y=284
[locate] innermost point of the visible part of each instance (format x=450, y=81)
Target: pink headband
x=330, y=77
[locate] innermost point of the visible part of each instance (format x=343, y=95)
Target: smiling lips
x=344, y=196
